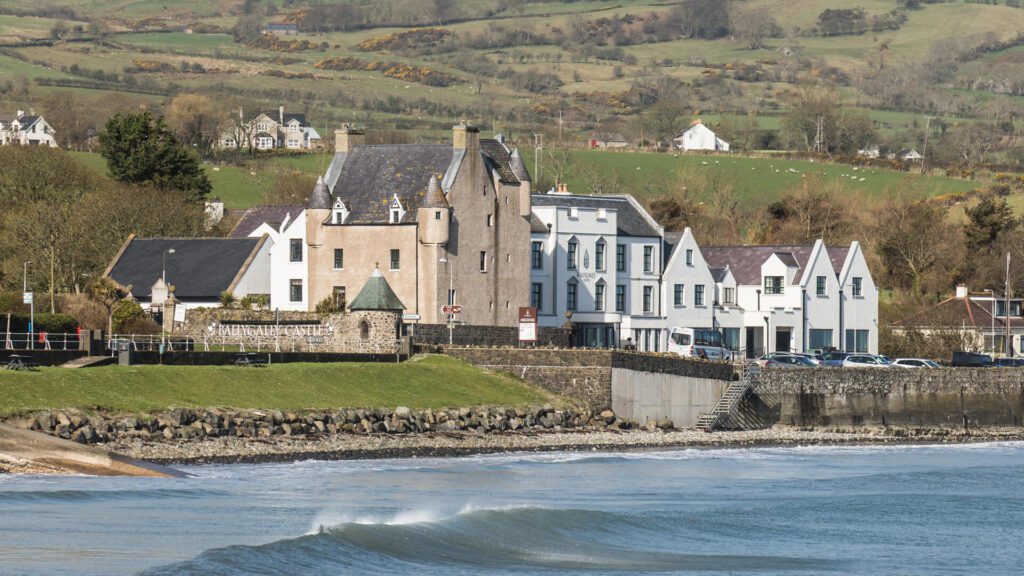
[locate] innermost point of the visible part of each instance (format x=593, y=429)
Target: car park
x=834, y=358
x=914, y=363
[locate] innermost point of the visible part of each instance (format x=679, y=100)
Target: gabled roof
x=27, y=121
x=629, y=219
x=300, y=118
x=376, y=295
x=745, y=261
x=256, y=216
x=960, y=313
x=536, y=225
x=719, y=274
x=199, y=269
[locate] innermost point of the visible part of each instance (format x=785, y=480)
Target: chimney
x=962, y=291
x=465, y=137
x=20, y=114
x=280, y=114
x=348, y=138
x=240, y=116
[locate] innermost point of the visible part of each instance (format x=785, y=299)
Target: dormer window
x=339, y=213
x=395, y=211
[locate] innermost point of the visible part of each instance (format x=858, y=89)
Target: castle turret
x=519, y=169
x=433, y=215
x=318, y=211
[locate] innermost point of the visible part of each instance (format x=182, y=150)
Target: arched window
x=364, y=330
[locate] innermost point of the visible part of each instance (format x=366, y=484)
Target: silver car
x=914, y=363
x=864, y=361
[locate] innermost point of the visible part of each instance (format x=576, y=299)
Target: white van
x=694, y=341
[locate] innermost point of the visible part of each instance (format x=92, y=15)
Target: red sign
x=456, y=309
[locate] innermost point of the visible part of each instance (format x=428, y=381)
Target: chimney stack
x=348, y=138
x=465, y=137
x=280, y=114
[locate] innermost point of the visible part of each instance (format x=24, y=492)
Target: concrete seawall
x=946, y=397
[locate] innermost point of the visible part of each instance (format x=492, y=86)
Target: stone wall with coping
x=955, y=397
x=469, y=335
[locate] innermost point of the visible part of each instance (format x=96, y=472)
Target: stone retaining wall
x=584, y=375
x=467, y=335
x=911, y=397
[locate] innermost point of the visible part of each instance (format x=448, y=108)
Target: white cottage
x=700, y=137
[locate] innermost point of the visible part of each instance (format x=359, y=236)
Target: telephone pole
x=924, y=149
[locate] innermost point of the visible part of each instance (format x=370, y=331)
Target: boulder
x=608, y=416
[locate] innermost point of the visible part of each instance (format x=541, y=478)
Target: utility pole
x=559, y=125
x=538, y=145
x=924, y=149
x=1007, y=316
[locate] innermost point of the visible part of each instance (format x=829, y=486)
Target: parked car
x=963, y=359
x=817, y=359
x=764, y=358
x=790, y=361
x=1010, y=362
x=865, y=361
x=914, y=363
x=834, y=358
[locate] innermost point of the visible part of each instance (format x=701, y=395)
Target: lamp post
x=451, y=298
x=992, y=313
x=31, y=304
x=163, y=265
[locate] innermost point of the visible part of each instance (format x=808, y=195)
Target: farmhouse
x=700, y=137
x=269, y=131
x=26, y=130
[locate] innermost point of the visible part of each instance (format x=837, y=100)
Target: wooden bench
x=251, y=359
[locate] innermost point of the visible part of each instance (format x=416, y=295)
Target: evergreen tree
x=140, y=149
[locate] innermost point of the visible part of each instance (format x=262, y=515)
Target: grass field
x=758, y=181
x=432, y=382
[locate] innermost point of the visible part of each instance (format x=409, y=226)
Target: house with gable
x=27, y=130
x=270, y=131
x=285, y=229
x=700, y=137
x=443, y=223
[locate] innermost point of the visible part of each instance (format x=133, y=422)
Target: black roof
x=536, y=225
x=27, y=121
x=498, y=158
x=199, y=268
x=630, y=221
x=258, y=215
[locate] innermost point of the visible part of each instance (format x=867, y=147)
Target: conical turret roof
x=435, y=196
x=320, y=199
x=376, y=295
x=518, y=166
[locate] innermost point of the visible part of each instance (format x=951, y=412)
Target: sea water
x=890, y=510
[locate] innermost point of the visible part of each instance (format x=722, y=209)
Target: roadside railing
x=41, y=340
x=156, y=343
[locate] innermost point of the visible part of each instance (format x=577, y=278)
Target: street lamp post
x=451, y=298
x=163, y=265
x=31, y=304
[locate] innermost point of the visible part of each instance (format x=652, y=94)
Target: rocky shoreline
x=219, y=436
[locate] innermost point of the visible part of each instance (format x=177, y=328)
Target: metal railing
x=149, y=343
x=156, y=343
x=41, y=341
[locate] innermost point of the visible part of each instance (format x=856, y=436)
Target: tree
x=817, y=122
x=108, y=294
x=442, y=10
x=140, y=149
x=702, y=18
x=816, y=209
x=917, y=246
x=248, y=29
x=665, y=118
x=986, y=222
x=753, y=25
x=195, y=120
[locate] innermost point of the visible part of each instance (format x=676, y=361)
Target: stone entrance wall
x=364, y=331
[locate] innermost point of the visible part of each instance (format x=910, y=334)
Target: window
x=599, y=255
x=820, y=339
x=339, y=258
x=295, y=293
x=689, y=257
x=396, y=259
x=677, y=295
x=483, y=261
x=773, y=284
x=570, y=296
x=490, y=220
x=698, y=295
x=536, y=294
x=620, y=298
x=364, y=330
x=620, y=257
x=858, y=288
x=339, y=296
x=451, y=297
x=395, y=216
x=821, y=285
x=648, y=293
x=857, y=341
x=648, y=259
x=599, y=297
x=728, y=295
x=537, y=255
x=437, y=214
x=296, y=249
x=571, y=251
x=731, y=338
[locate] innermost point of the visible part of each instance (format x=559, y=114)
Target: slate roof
x=536, y=225
x=745, y=261
x=961, y=312
x=256, y=216
x=719, y=274
x=630, y=221
x=376, y=295
x=671, y=243
x=498, y=158
x=200, y=268
x=27, y=121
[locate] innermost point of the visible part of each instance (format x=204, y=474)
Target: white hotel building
x=605, y=260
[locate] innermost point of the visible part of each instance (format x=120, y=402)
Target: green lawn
x=432, y=382
x=759, y=181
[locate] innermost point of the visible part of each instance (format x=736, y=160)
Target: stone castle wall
x=469, y=335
